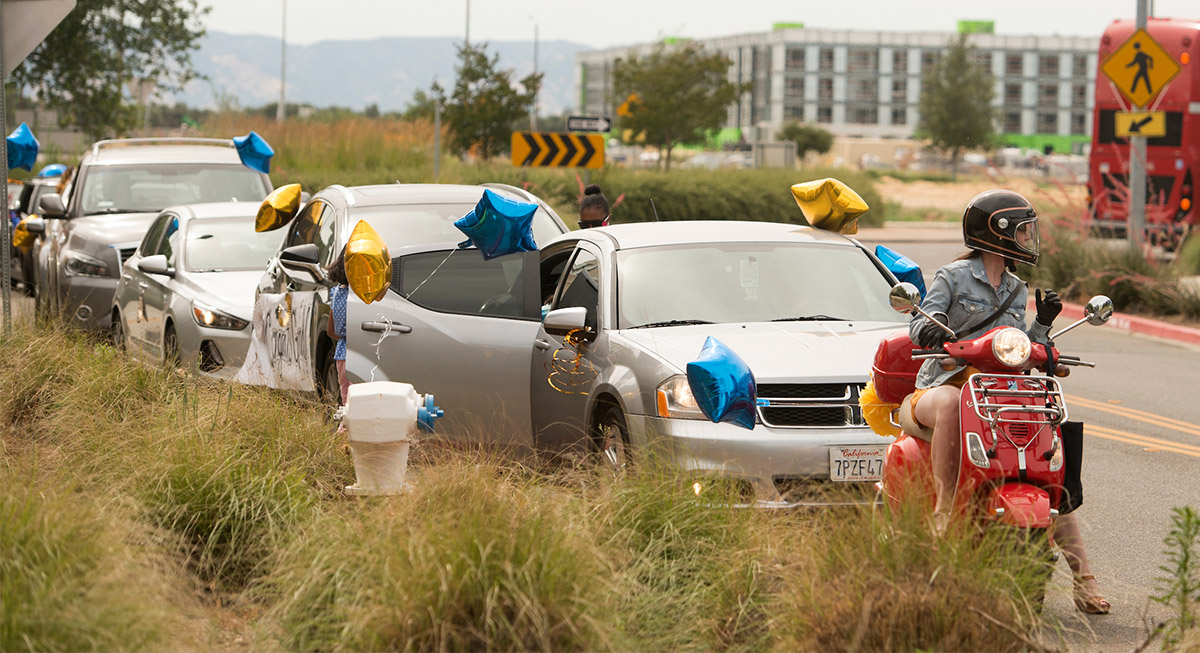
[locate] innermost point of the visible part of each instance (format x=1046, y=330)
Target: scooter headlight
x=1011, y=347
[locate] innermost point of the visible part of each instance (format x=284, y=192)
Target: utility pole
x=467, y=38
x=437, y=137
x=1136, y=224
x=281, y=111
x=533, y=120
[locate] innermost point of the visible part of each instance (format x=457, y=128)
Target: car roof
x=683, y=232
x=215, y=210
x=134, y=151
x=391, y=194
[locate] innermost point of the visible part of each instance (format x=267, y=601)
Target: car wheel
x=171, y=348
x=117, y=332
x=612, y=439
x=330, y=386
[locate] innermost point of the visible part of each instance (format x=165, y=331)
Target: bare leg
x=1087, y=593
x=939, y=408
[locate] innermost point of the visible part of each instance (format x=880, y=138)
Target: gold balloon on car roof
x=830, y=204
x=278, y=208
x=368, y=264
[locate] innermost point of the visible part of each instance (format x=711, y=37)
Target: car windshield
x=151, y=188
x=223, y=245
x=423, y=224
x=750, y=282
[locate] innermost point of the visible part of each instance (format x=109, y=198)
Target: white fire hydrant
x=382, y=418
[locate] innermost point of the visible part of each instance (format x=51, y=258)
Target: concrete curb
x=1135, y=324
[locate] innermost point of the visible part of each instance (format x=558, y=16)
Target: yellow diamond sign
x=1140, y=68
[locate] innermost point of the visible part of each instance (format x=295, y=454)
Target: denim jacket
x=962, y=293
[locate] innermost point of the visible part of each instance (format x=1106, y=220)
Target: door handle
x=384, y=327
x=544, y=345
x=143, y=285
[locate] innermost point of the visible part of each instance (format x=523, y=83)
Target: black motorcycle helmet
x=1002, y=222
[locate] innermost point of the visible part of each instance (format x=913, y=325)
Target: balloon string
x=387, y=331
x=439, y=266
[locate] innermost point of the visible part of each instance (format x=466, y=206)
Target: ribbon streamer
x=572, y=370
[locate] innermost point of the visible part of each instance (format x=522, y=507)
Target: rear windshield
x=424, y=224
x=151, y=188
x=220, y=245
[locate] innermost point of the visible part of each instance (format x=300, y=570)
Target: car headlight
x=211, y=317
x=78, y=264
x=675, y=399
x=1011, y=347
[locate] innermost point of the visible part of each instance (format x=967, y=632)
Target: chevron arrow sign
x=557, y=150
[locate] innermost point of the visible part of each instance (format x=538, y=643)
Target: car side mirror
x=562, y=321
x=35, y=225
x=156, y=264
x=1098, y=310
x=304, y=258
x=904, y=298
x=51, y=206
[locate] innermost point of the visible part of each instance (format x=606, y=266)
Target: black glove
x=931, y=335
x=1048, y=306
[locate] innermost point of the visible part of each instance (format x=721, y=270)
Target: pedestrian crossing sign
x=1140, y=68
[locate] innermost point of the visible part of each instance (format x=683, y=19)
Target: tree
x=808, y=138
x=484, y=105
x=83, y=67
x=956, y=102
x=678, y=93
x=421, y=104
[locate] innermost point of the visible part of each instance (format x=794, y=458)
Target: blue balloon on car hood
x=499, y=226
x=903, y=267
x=22, y=148
x=255, y=152
x=723, y=385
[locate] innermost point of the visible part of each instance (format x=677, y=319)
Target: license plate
x=856, y=463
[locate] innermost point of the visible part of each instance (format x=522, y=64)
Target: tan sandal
x=1088, y=602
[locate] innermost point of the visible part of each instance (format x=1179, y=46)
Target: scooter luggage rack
x=993, y=413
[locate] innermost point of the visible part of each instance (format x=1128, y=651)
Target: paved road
x=1142, y=443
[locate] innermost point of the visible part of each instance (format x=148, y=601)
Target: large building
x=869, y=83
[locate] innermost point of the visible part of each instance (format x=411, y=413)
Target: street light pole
x=1136, y=224
x=533, y=122
x=467, y=38
x=280, y=111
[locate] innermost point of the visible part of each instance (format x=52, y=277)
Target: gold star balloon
x=830, y=204
x=278, y=209
x=368, y=264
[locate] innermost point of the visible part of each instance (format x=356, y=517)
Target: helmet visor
x=1026, y=236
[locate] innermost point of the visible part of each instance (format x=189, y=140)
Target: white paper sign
x=280, y=337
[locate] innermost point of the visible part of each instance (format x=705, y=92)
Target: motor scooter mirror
x=1098, y=310
x=904, y=297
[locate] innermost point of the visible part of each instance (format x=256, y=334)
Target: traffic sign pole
x=6, y=239
x=1136, y=224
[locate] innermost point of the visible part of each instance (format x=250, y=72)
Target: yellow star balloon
x=278, y=209
x=830, y=204
x=368, y=264
x=21, y=238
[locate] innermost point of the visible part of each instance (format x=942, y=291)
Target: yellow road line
x=1142, y=440
x=1134, y=414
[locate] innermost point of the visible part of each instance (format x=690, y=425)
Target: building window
x=825, y=89
x=1048, y=65
x=1078, y=95
x=1012, y=94
x=863, y=61
x=864, y=115
x=899, y=91
x=1078, y=122
x=1080, y=66
x=864, y=90
x=929, y=59
x=826, y=60
x=899, y=61
x=1014, y=65
x=984, y=59
x=1047, y=123
x=793, y=111
x=795, y=59
x=900, y=116
x=795, y=88
x=1048, y=95
x=1012, y=122
x=824, y=113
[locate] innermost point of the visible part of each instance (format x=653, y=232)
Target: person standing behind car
x=594, y=210
x=336, y=327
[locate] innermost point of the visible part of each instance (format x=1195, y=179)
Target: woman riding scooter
x=972, y=295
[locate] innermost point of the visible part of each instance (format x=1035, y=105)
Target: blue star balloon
x=499, y=226
x=723, y=385
x=254, y=152
x=22, y=148
x=903, y=267
x=52, y=170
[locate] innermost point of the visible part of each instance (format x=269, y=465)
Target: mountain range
x=354, y=74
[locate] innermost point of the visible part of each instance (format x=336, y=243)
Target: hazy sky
x=603, y=23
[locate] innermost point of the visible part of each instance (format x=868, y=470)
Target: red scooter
x=1011, y=470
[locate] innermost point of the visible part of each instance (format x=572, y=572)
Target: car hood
x=112, y=229
x=830, y=351
x=231, y=292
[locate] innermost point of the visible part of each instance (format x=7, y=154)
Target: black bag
x=1072, y=443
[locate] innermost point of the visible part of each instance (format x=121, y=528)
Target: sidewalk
x=1132, y=324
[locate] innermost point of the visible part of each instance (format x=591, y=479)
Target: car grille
x=812, y=405
x=126, y=253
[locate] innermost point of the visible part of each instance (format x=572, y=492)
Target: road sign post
x=557, y=150
x=1151, y=124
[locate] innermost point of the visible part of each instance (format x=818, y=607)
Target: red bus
x=1172, y=160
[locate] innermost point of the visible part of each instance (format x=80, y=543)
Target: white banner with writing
x=280, y=337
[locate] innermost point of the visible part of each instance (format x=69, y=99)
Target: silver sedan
x=186, y=294
x=585, y=345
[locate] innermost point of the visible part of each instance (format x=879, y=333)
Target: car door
x=156, y=289
x=459, y=328
x=131, y=292
x=306, y=301
x=561, y=374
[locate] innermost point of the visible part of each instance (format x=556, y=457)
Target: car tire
x=330, y=386
x=171, y=357
x=117, y=332
x=612, y=439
